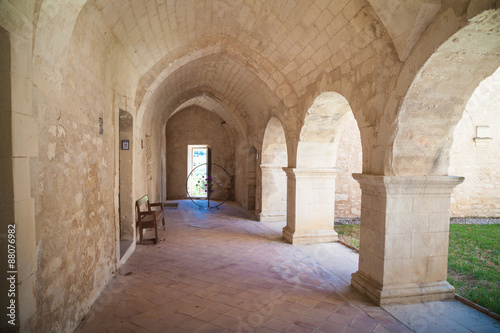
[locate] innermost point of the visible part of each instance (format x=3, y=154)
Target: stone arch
x=274, y=159
x=474, y=153
x=437, y=97
x=194, y=125
x=152, y=81
x=54, y=26
x=320, y=133
x=311, y=185
x=210, y=102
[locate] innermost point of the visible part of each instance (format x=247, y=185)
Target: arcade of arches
x=300, y=97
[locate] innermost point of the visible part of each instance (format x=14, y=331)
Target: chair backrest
x=144, y=201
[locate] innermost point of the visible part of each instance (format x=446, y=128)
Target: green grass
x=349, y=234
x=473, y=261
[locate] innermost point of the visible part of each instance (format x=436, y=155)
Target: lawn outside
x=473, y=260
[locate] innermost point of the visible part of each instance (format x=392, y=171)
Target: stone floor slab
x=222, y=271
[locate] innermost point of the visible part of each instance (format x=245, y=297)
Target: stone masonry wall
x=479, y=194
x=195, y=126
x=73, y=177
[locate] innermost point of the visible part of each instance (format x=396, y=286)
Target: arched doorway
x=126, y=207
x=474, y=153
x=274, y=159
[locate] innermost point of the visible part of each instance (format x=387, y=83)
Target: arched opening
x=474, y=153
x=311, y=185
x=435, y=101
x=405, y=213
x=194, y=126
x=251, y=168
x=274, y=159
x=349, y=161
x=321, y=131
x=126, y=206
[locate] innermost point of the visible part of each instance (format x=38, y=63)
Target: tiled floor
x=219, y=271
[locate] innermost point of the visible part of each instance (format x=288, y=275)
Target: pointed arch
x=437, y=97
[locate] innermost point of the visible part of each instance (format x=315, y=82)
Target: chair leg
x=140, y=235
x=163, y=223
x=156, y=233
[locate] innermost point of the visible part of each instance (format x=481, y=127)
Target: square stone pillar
x=273, y=193
x=310, y=206
x=405, y=223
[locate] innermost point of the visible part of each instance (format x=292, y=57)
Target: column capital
x=409, y=185
x=304, y=173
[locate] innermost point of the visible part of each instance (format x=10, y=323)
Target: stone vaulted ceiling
x=251, y=55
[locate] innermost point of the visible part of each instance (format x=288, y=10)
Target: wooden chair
x=148, y=217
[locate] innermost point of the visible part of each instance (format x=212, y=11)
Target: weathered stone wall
x=73, y=177
x=478, y=160
x=195, y=126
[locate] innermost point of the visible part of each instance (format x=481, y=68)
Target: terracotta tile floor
x=220, y=271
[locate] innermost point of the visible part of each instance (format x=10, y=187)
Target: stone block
x=311, y=15
x=27, y=298
x=6, y=180
x=439, y=222
x=405, y=223
x=352, y=8
x=404, y=271
x=339, y=40
x=436, y=267
x=21, y=171
x=25, y=135
x=432, y=204
x=371, y=265
x=21, y=60
x=429, y=244
x=25, y=238
x=399, y=204
x=398, y=246
x=372, y=241
x=21, y=95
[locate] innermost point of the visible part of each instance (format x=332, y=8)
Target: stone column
x=273, y=193
x=404, y=238
x=310, y=206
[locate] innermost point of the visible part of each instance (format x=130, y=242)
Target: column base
x=310, y=236
x=272, y=217
x=401, y=294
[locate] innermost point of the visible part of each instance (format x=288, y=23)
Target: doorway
x=126, y=207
